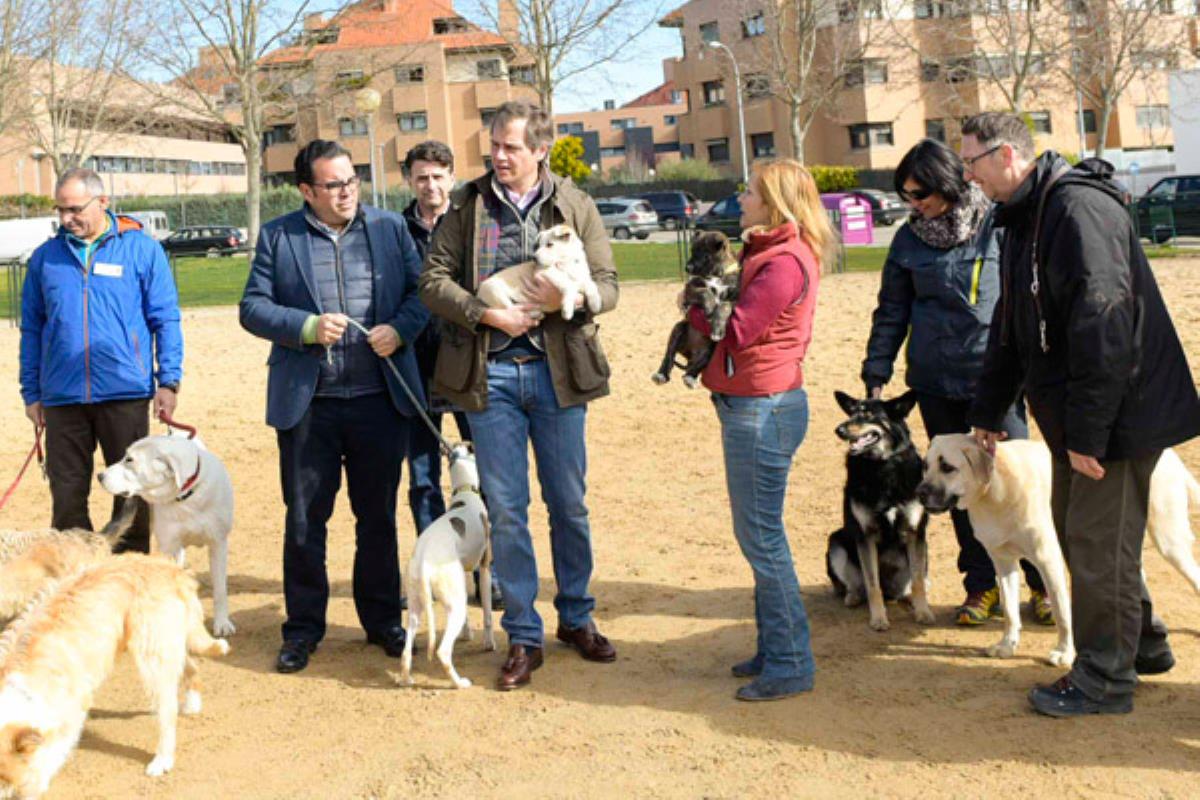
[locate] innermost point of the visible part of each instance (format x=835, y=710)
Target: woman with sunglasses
x=939, y=285
x=757, y=382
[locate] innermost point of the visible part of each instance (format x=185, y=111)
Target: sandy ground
x=913, y=712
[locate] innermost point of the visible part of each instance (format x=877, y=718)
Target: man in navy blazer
x=330, y=397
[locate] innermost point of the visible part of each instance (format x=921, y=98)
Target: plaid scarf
x=487, y=241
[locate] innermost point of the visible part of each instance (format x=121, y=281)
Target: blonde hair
x=791, y=195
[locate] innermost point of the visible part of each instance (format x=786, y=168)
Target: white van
x=154, y=223
x=20, y=237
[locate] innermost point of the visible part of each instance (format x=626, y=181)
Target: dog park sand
x=912, y=712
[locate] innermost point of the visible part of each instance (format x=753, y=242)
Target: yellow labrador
x=1008, y=500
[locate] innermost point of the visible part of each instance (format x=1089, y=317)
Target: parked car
x=210, y=240
x=154, y=223
x=724, y=216
x=673, y=208
x=1170, y=208
x=886, y=207
x=20, y=237
x=627, y=216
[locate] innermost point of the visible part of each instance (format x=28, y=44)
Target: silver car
x=627, y=216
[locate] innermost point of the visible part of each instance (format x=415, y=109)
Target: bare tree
x=20, y=21
x=1115, y=43
x=566, y=38
x=77, y=84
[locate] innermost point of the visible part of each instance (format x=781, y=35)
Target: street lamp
x=737, y=79
x=367, y=101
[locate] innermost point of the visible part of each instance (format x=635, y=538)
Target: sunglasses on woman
x=915, y=194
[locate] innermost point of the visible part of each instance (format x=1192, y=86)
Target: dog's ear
x=899, y=407
x=846, y=402
x=562, y=233
x=175, y=457
x=26, y=741
x=981, y=461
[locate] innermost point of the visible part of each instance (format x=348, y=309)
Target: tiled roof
x=658, y=96
x=379, y=23
x=673, y=19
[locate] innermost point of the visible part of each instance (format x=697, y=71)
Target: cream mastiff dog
x=191, y=503
x=1008, y=500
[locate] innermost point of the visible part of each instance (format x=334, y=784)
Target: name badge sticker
x=107, y=270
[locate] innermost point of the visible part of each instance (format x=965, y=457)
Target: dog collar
x=189, y=486
x=470, y=489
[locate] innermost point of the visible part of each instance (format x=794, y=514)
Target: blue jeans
x=522, y=408
x=759, y=436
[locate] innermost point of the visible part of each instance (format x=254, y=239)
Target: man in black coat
x=1082, y=327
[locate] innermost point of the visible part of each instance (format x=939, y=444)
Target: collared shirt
x=523, y=201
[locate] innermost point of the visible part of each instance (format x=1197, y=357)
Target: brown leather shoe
x=518, y=667
x=588, y=641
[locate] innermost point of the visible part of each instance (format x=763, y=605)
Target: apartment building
x=635, y=136
x=920, y=68
x=439, y=76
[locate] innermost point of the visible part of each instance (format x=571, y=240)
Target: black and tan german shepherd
x=880, y=552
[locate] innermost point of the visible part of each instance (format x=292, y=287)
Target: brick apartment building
x=635, y=136
x=440, y=77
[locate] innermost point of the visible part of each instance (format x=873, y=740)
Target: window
x=277, y=134
x=349, y=79
x=870, y=134
x=930, y=70
x=710, y=32
x=758, y=86
x=1036, y=65
x=762, y=145
x=1040, y=121
x=666, y=147
x=995, y=66
x=569, y=128
x=714, y=93
x=935, y=129
x=611, y=152
x=670, y=119
x=622, y=123
x=410, y=73
x=1165, y=188
x=1164, y=7
x=1153, y=116
x=322, y=36
x=231, y=93
x=1156, y=59
x=850, y=10
x=489, y=69
x=718, y=150
x=754, y=25
x=1089, y=121
x=487, y=116
x=676, y=97
x=687, y=150
x=352, y=127
x=870, y=71
x=412, y=121
x=959, y=70
x=525, y=75
x=449, y=25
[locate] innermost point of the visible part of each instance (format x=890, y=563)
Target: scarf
x=955, y=226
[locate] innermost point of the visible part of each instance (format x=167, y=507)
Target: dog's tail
x=199, y=641
x=118, y=527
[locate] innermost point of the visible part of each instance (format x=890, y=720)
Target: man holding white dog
x=329, y=395
x=524, y=378
x=100, y=337
x=1082, y=326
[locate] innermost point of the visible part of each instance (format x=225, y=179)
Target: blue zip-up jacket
x=86, y=329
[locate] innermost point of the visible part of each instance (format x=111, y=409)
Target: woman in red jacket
x=757, y=381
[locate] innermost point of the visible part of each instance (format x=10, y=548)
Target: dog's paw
x=462, y=683
x=489, y=641
x=880, y=623
x=222, y=647
x=924, y=615
x=659, y=378
x=161, y=765
x=224, y=627
x=690, y=381
x=1062, y=658
x=853, y=600
x=192, y=704
x=1002, y=649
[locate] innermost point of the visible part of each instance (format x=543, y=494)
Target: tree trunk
x=797, y=132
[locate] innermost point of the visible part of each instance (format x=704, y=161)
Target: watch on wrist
x=174, y=387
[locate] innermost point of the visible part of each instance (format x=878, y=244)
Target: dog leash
x=165, y=418
x=35, y=450
x=417, y=404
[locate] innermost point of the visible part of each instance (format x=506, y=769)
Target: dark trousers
x=368, y=436
x=425, y=468
x=945, y=415
x=1101, y=525
x=72, y=433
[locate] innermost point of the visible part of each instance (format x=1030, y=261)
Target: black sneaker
x=1064, y=699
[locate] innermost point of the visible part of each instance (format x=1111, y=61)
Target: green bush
x=688, y=169
x=566, y=159
x=834, y=179
x=35, y=205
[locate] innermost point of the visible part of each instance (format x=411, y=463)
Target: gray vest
x=517, y=242
x=345, y=284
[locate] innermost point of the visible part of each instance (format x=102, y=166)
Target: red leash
x=35, y=450
x=165, y=418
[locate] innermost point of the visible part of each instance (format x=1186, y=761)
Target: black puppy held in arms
x=880, y=552
x=712, y=285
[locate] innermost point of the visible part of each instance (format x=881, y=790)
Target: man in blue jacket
x=100, y=336
x=330, y=397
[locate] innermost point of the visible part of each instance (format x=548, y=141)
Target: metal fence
x=14, y=279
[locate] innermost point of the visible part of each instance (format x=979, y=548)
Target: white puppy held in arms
x=191, y=504
x=56, y=656
x=561, y=258
x=454, y=543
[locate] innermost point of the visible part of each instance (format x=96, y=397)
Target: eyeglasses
x=74, y=211
x=915, y=194
x=336, y=187
x=969, y=163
